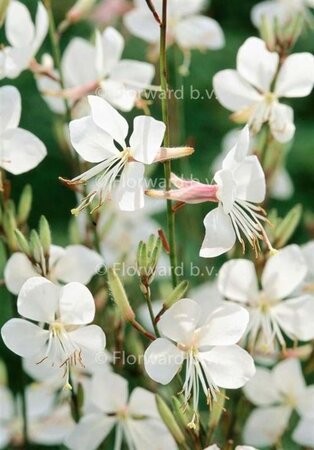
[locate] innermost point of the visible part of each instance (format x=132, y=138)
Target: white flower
x=274, y=310
x=87, y=67
x=65, y=341
x=240, y=184
x=281, y=10
x=186, y=26
x=24, y=37
x=136, y=420
x=73, y=263
x=48, y=423
x=248, y=91
x=20, y=150
x=281, y=186
x=93, y=138
x=212, y=358
x=308, y=254
x=277, y=393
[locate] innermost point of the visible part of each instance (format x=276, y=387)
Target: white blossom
x=276, y=393
x=274, y=310
x=95, y=138
x=248, y=91
x=66, y=340
x=281, y=10
x=72, y=263
x=24, y=37
x=135, y=418
x=20, y=149
x=207, y=346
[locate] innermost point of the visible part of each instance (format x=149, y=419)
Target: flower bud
x=9, y=225
x=80, y=10
x=169, y=420
x=22, y=243
x=36, y=249
x=287, y=226
x=267, y=33
x=147, y=259
x=3, y=10
x=25, y=205
x=217, y=409
x=293, y=30
x=166, y=154
x=45, y=235
x=177, y=293
x=179, y=412
x=119, y=296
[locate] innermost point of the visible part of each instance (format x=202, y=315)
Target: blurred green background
x=205, y=122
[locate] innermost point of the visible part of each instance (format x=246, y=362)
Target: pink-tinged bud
x=80, y=10
x=75, y=93
x=189, y=191
x=166, y=153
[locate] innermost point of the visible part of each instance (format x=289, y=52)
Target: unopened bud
x=22, y=243
x=119, y=296
x=167, y=153
x=293, y=30
x=25, y=205
x=217, y=409
x=147, y=259
x=3, y=10
x=287, y=226
x=45, y=235
x=180, y=412
x=268, y=33
x=169, y=420
x=80, y=10
x=10, y=225
x=177, y=293
x=74, y=232
x=36, y=247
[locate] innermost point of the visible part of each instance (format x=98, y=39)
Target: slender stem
x=142, y=330
x=148, y=299
x=56, y=53
x=165, y=117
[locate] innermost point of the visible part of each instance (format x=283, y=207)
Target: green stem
x=167, y=164
x=56, y=53
x=148, y=299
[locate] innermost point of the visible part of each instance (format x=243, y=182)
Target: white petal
x=180, y=321
x=304, y=433
x=142, y=24
x=219, y=234
x=282, y=185
x=130, y=192
x=78, y=63
x=5, y=435
x=118, y=94
x=226, y=189
x=18, y=269
x=107, y=118
x=90, y=432
x=38, y=300
x=281, y=122
x=143, y=403
x=146, y=139
x=229, y=367
x=256, y=64
x=225, y=326
x=7, y=404
x=134, y=74
x=19, y=27
x=91, y=142
x=91, y=341
x=21, y=151
x=162, y=360
x=199, y=32
x=296, y=76
x=271, y=10
x=284, y=272
x=24, y=338
x=296, y=317
x=251, y=184
x=10, y=107
x=233, y=92
x=288, y=377
x=150, y=434
x=240, y=147
x=308, y=253
x=41, y=27
x=55, y=429
x=111, y=396
x=237, y=280
x=305, y=403
x=261, y=390
x=78, y=263
x=76, y=304
x=109, y=50
x=265, y=426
